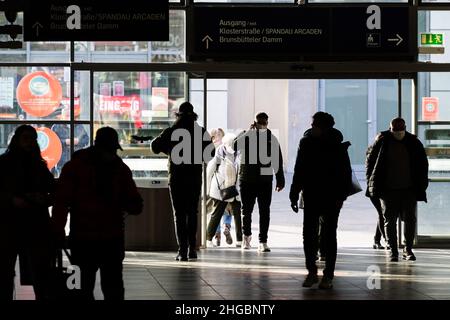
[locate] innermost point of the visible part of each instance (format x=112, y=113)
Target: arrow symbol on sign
x=207, y=39
x=398, y=39
x=36, y=26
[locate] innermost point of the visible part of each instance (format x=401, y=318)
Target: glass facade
x=142, y=102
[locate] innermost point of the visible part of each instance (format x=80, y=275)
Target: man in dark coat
x=98, y=190
x=397, y=173
x=188, y=146
x=261, y=158
x=323, y=173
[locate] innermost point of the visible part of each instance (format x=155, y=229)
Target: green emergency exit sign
x=431, y=39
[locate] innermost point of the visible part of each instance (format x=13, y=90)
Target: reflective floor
x=229, y=273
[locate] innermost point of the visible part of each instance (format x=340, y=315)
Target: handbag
x=229, y=192
x=355, y=186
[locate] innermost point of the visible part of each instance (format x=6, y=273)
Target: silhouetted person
x=260, y=158
x=323, y=172
x=397, y=171
x=97, y=188
x=80, y=141
x=26, y=185
x=188, y=146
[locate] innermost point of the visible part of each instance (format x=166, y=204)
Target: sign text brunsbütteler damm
x=365, y=31
x=87, y=20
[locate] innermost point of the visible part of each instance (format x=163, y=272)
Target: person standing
x=98, y=190
x=323, y=174
x=397, y=171
x=26, y=189
x=260, y=158
x=188, y=146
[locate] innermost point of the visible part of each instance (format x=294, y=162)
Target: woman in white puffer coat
x=223, y=172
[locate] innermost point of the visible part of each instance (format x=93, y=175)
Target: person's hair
x=14, y=147
x=186, y=112
x=215, y=131
x=398, y=122
x=323, y=120
x=261, y=118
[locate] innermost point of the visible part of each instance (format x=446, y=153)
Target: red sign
x=50, y=145
x=430, y=108
x=125, y=104
x=39, y=94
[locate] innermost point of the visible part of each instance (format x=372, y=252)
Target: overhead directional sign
x=362, y=32
x=87, y=20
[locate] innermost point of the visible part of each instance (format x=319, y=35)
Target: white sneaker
x=246, y=243
x=238, y=244
x=210, y=244
x=263, y=247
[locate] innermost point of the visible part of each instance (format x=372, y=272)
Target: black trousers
x=217, y=209
x=34, y=249
x=185, y=196
x=250, y=193
x=90, y=256
x=379, y=231
x=328, y=213
x=399, y=203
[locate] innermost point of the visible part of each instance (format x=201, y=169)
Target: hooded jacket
x=223, y=170
x=376, y=165
x=322, y=168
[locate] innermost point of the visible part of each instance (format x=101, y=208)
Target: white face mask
x=399, y=135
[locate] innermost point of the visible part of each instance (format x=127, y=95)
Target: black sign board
x=87, y=20
x=312, y=33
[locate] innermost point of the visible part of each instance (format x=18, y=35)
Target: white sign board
x=6, y=92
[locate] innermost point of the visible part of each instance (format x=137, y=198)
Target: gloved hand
x=294, y=207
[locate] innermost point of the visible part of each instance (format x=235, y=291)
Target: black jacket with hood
x=322, y=168
x=376, y=165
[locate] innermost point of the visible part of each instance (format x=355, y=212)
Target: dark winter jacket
x=185, y=135
x=322, y=168
x=32, y=182
x=97, y=189
x=260, y=160
x=376, y=165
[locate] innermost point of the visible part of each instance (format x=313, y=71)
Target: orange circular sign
x=50, y=145
x=39, y=94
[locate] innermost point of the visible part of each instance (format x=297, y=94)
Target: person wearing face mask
x=397, y=174
x=261, y=159
x=323, y=173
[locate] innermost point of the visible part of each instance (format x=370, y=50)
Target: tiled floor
x=229, y=273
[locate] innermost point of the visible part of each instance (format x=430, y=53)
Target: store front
x=135, y=87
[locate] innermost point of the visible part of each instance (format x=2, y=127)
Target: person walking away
x=98, y=190
x=188, y=146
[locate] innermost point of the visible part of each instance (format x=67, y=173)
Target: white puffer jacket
x=223, y=171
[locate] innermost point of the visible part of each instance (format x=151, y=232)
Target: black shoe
x=393, y=257
x=408, y=254
x=377, y=245
x=181, y=257
x=192, y=254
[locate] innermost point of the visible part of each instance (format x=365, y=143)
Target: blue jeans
x=226, y=219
